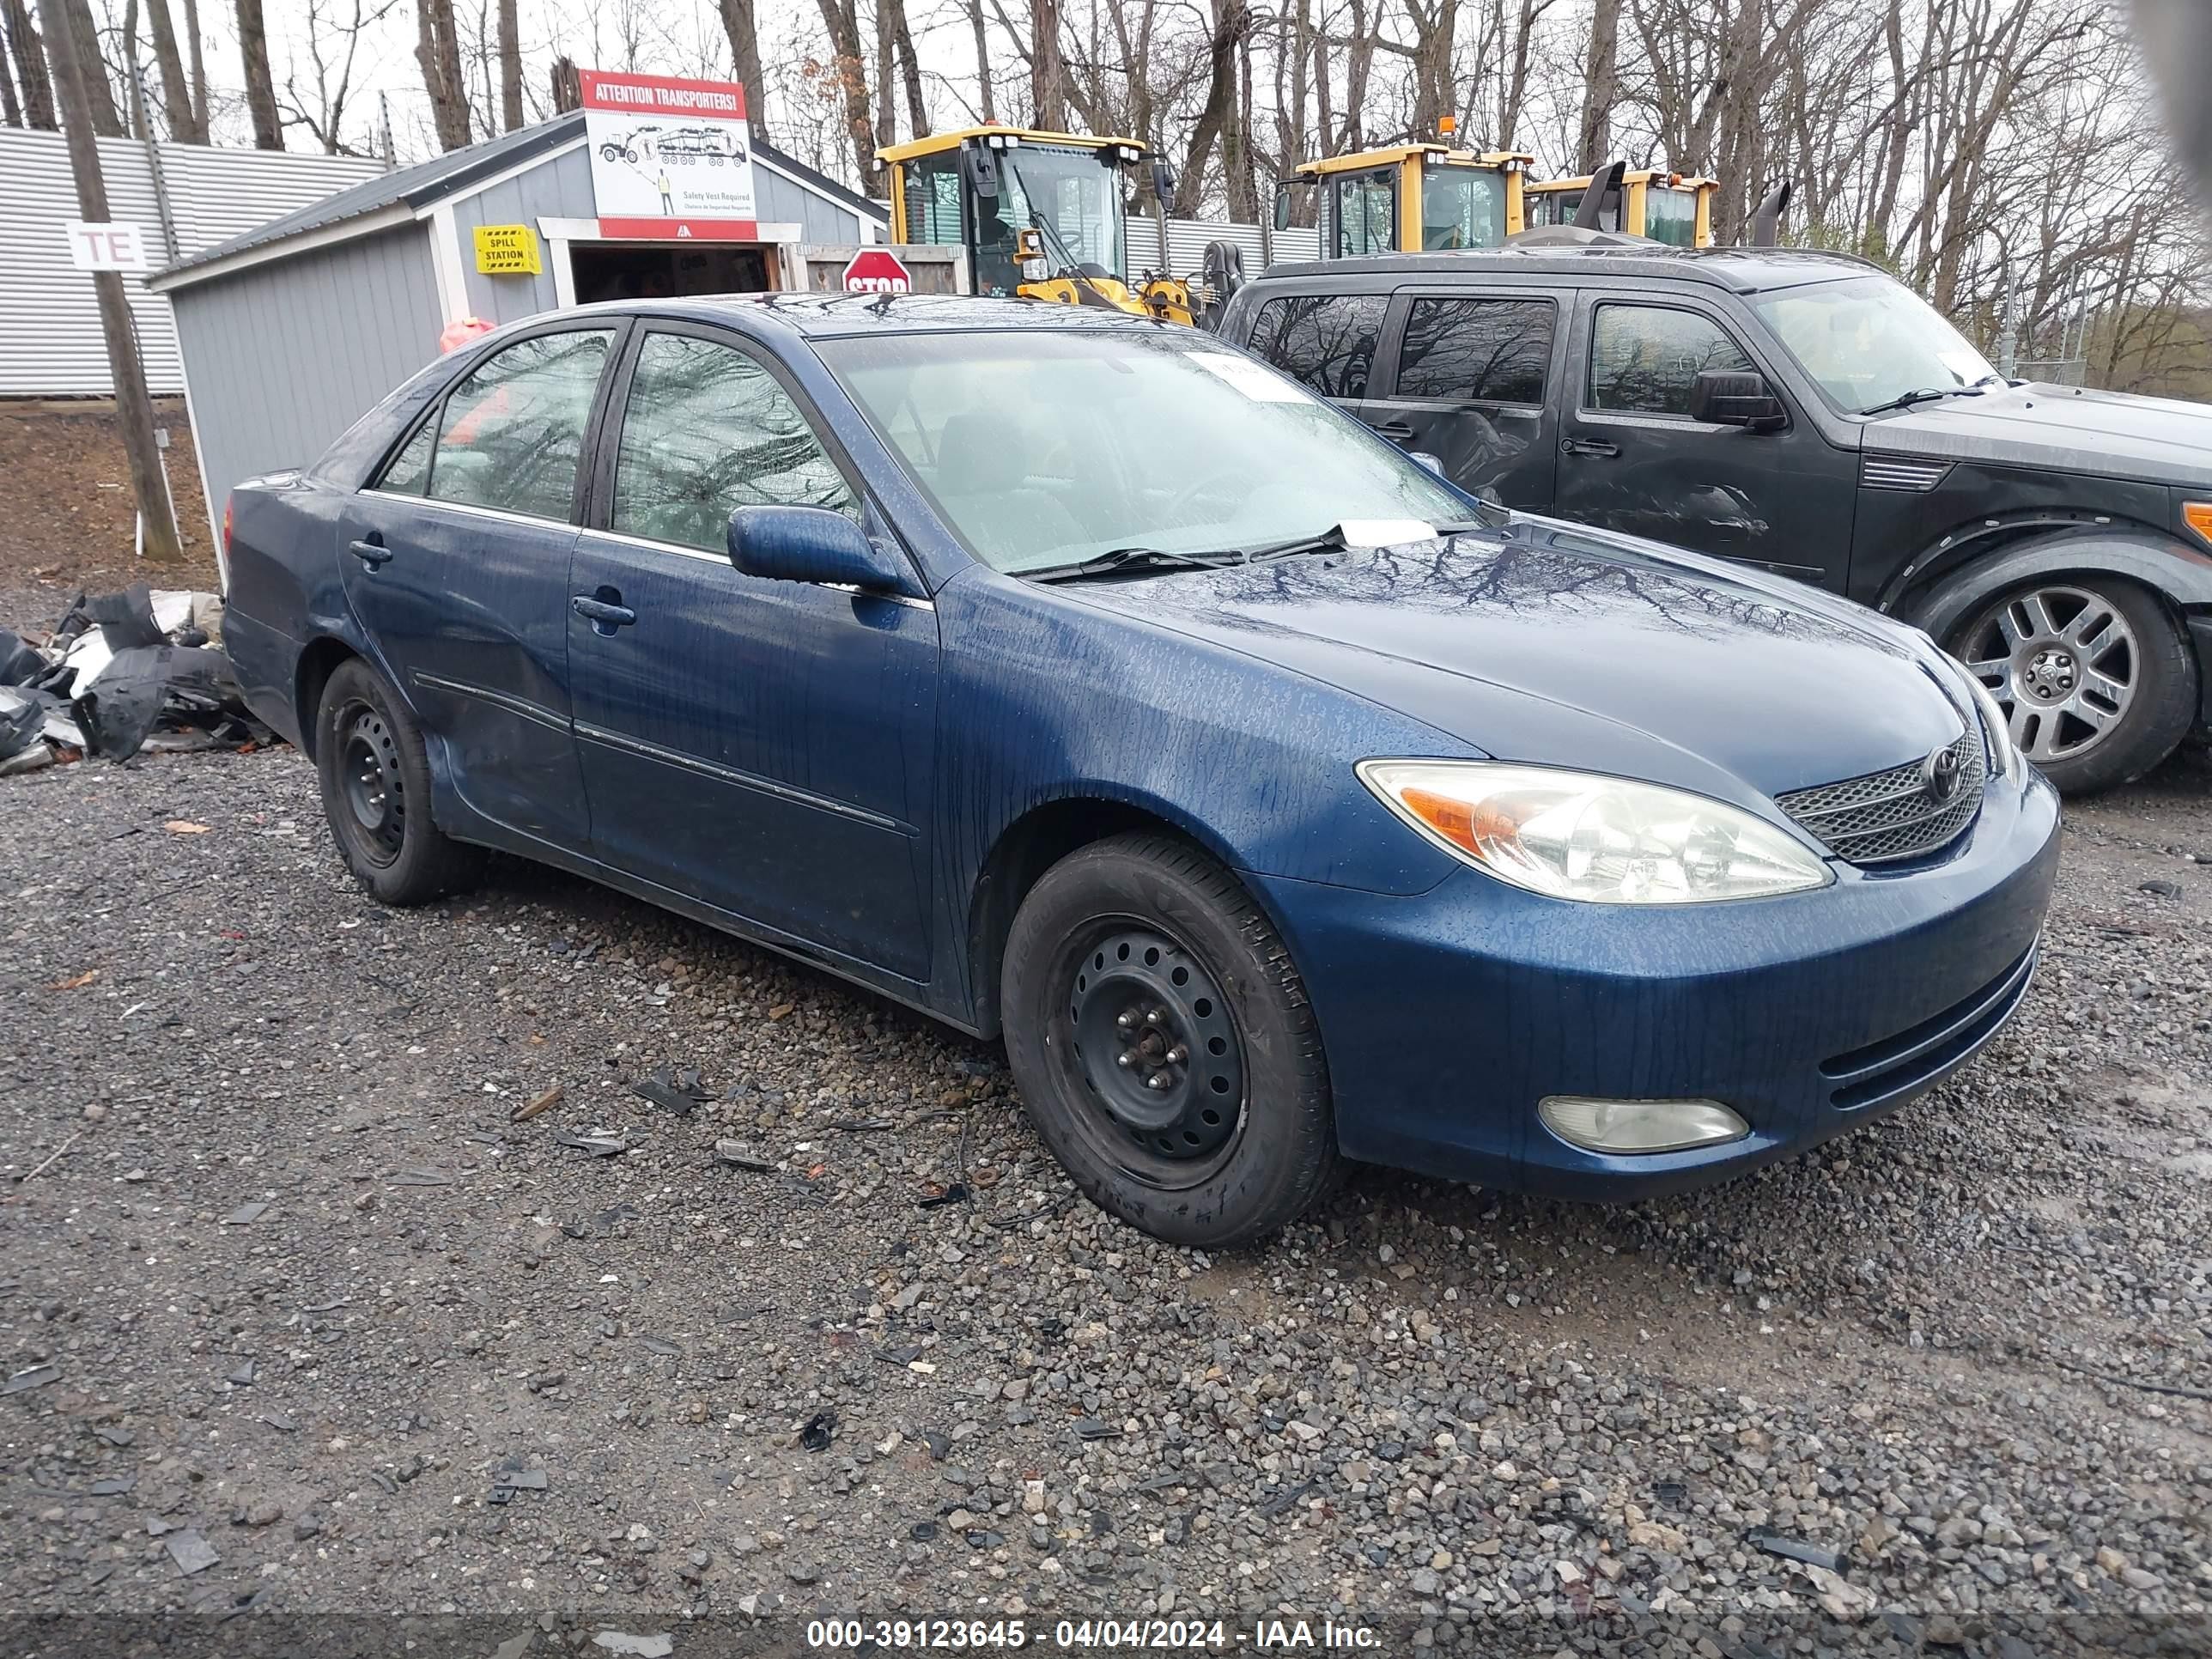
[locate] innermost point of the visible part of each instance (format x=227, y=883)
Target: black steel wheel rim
x=371, y=791
x=1154, y=1053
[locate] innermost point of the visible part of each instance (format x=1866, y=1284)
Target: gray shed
x=290, y=332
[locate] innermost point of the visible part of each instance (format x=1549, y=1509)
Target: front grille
x=1887, y=816
x=1915, y=478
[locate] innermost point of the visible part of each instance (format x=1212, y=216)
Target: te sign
x=877, y=270
x=106, y=247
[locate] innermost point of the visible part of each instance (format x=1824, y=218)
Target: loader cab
x=1666, y=207
x=1409, y=198
x=1042, y=214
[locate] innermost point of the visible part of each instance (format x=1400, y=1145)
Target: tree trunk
x=983, y=61
x=1219, y=107
x=886, y=70
x=1048, y=74
x=1601, y=87
x=30, y=55
x=169, y=61
x=917, y=105
x=842, y=20
x=133, y=102
x=437, y=51
x=738, y=23
x=568, y=88
x=260, y=88
x=99, y=101
x=199, y=70
x=134, y=409
x=510, y=67
x=11, y=113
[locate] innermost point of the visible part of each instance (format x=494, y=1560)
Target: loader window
x=932, y=200
x=1462, y=206
x=1670, y=215
x=1367, y=213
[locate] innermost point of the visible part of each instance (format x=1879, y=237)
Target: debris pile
x=119, y=672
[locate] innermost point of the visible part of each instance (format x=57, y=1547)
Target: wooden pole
x=134, y=408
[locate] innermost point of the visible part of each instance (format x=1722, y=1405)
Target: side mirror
x=1282, y=207
x=810, y=544
x=979, y=170
x=1164, y=182
x=1731, y=397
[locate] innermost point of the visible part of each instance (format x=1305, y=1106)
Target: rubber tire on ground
x=430, y=863
x=2166, y=702
x=1284, y=1156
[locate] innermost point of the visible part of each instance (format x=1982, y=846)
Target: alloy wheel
x=2061, y=661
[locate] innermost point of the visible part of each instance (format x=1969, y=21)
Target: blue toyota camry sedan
x=1077, y=679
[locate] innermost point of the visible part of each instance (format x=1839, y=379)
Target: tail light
x=229, y=507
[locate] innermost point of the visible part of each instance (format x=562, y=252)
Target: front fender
x=2166, y=567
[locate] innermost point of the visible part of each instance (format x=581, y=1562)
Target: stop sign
x=877, y=270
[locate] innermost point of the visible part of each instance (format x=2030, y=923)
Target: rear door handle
x=1398, y=432
x=1589, y=447
x=374, y=555
x=600, y=614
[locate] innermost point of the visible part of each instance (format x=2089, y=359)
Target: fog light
x=1640, y=1126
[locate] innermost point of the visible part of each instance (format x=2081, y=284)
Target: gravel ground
x=298, y=1319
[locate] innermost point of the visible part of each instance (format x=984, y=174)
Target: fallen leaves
x=78, y=984
x=184, y=827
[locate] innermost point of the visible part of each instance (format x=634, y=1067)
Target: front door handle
x=374, y=555
x=1589, y=446
x=603, y=616
x=1398, y=432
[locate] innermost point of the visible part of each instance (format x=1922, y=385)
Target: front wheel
x=2095, y=679
x=1163, y=1043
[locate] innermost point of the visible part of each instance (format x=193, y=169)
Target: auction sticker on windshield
x=1262, y=385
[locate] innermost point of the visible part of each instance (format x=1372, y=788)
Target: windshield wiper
x=1926, y=394
x=1119, y=559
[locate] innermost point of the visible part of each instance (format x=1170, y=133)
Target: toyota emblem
x=1939, y=776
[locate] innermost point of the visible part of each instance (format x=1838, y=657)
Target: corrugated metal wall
x=1187, y=240
x=287, y=354
x=50, y=340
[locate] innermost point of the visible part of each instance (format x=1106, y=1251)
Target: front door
x=1472, y=389
x=456, y=561
x=1327, y=340
x=764, y=746
x=1632, y=459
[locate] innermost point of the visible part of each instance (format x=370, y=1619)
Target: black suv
x=1807, y=414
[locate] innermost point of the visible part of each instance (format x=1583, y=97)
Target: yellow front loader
x=1410, y=198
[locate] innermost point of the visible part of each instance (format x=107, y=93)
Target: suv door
x=456, y=561
x=1630, y=459
x=1471, y=387
x=764, y=746
x=1327, y=341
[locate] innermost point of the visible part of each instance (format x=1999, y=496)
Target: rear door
x=764, y=746
x=1327, y=340
x=1472, y=386
x=1630, y=459
x=456, y=561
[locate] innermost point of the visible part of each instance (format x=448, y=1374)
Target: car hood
x=1552, y=644
x=2059, y=428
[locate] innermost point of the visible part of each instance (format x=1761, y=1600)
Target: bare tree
x=739, y=24
x=1602, y=74
x=316, y=96
x=178, y=108
x=261, y=85
x=445, y=77
x=1047, y=72
x=11, y=111
x=510, y=66
x=987, y=104
x=842, y=18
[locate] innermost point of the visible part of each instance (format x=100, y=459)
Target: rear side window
x=513, y=431
x=707, y=430
x=1643, y=358
x=1494, y=351
x=1327, y=340
x=409, y=474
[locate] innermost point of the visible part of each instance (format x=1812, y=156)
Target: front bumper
x=2200, y=634
x=1446, y=1016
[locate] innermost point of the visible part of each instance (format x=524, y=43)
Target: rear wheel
x=1164, y=1044
x=2095, y=678
x=376, y=793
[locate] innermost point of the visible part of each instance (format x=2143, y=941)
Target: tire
x=1240, y=1139
x=2096, y=680
x=376, y=794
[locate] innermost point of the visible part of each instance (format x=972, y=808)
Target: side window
x=1644, y=358
x=932, y=200
x=409, y=474
x=1327, y=340
x=1476, y=351
x=513, y=431
x=1366, y=214
x=708, y=430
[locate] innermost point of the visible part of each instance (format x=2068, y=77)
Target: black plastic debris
x=738, y=1157
x=520, y=1479
x=36, y=1377
x=679, y=1092
x=956, y=1193
x=922, y=1531
x=1283, y=1501
x=1793, y=1549
x=597, y=1145
x=20, y=664
x=1089, y=1428
x=22, y=722
x=191, y=1553
x=820, y=1430
x=245, y=1215
x=127, y=618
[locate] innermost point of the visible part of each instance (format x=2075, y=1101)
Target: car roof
x=1742, y=270
x=819, y=316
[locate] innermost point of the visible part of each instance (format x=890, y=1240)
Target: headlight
x=2002, y=752
x=1607, y=841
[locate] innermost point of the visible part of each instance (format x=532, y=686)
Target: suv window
x=512, y=432
x=1645, y=358
x=1326, y=340
x=1476, y=351
x=707, y=430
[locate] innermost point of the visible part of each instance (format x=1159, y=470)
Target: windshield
x=1462, y=206
x=1075, y=193
x=1871, y=339
x=1670, y=215
x=1046, y=447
